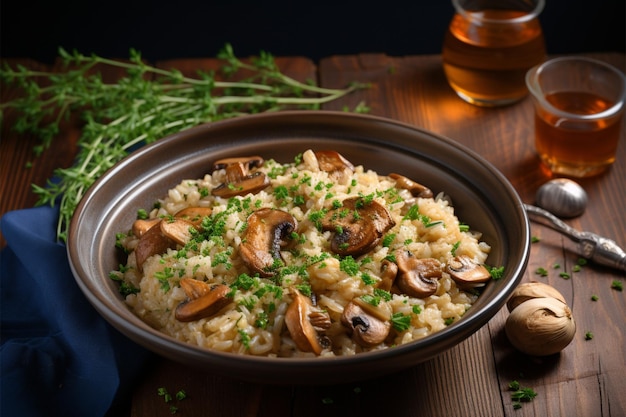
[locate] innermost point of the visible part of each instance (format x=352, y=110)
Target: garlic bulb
x=532, y=289
x=540, y=326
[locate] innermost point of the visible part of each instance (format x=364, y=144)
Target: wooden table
x=471, y=379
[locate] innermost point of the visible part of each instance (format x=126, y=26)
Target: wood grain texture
x=471, y=379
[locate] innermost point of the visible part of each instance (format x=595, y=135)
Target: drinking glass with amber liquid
x=579, y=109
x=488, y=48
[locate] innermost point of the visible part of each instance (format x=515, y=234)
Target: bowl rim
x=163, y=344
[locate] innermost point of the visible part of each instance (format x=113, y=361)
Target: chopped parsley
x=520, y=394
x=496, y=272
x=400, y=322
x=617, y=285
x=164, y=276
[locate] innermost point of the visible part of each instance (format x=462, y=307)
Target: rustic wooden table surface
x=471, y=379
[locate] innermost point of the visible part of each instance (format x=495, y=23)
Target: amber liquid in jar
x=579, y=148
x=486, y=64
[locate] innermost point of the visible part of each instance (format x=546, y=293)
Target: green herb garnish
x=144, y=105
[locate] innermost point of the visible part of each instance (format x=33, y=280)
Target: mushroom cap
x=301, y=319
x=335, y=164
x=367, y=328
x=263, y=238
x=388, y=274
x=416, y=189
x=209, y=303
x=177, y=230
x=239, y=180
x=141, y=226
x=417, y=277
x=194, y=215
x=467, y=273
x=152, y=242
x=358, y=226
x=252, y=161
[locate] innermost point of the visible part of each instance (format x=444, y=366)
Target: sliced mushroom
x=250, y=161
x=304, y=321
x=152, y=242
x=358, y=226
x=388, y=273
x=264, y=237
x=177, y=230
x=141, y=226
x=209, y=303
x=194, y=288
x=239, y=180
x=417, y=277
x=335, y=164
x=368, y=325
x=467, y=273
x=416, y=189
x=194, y=215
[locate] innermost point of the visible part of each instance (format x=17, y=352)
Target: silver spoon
x=596, y=248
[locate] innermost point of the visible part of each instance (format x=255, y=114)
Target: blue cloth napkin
x=58, y=356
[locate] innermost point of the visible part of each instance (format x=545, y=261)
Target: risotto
x=316, y=257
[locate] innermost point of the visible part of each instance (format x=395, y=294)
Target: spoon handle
x=598, y=249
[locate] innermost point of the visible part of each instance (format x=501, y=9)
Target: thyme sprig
x=143, y=105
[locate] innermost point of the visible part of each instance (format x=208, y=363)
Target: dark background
x=185, y=29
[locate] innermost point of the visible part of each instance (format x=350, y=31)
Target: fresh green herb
x=464, y=227
x=368, y=279
x=144, y=105
x=594, y=298
x=535, y=239
x=167, y=397
x=519, y=394
x=400, y=322
x=162, y=392
x=588, y=335
x=388, y=240
x=385, y=295
x=349, y=266
x=245, y=338
x=496, y=272
x=541, y=271
x=412, y=214
x=142, y=214
x=448, y=321
x=617, y=285
x=565, y=275
x=455, y=247
x=164, y=276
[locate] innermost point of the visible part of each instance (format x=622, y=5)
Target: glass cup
x=488, y=48
x=579, y=107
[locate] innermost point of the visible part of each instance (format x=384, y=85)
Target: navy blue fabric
x=58, y=356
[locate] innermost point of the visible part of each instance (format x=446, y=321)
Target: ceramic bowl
x=482, y=197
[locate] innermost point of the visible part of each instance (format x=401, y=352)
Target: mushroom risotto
x=314, y=257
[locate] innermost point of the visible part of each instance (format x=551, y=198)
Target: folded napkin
x=58, y=356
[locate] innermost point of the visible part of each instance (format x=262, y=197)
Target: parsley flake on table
x=520, y=394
